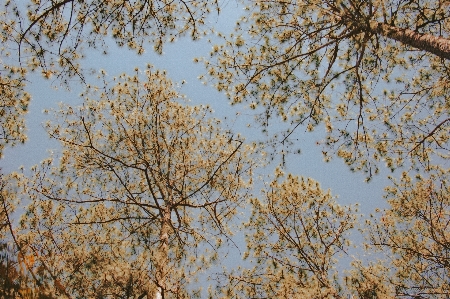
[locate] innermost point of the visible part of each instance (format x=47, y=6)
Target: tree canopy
x=295, y=233
x=143, y=181
x=52, y=37
x=140, y=198
x=415, y=231
x=374, y=73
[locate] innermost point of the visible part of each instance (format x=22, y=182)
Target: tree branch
x=438, y=46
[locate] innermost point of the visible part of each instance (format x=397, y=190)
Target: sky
x=178, y=60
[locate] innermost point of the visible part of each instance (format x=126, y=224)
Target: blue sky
x=177, y=59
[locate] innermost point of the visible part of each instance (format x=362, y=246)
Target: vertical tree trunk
x=163, y=254
x=437, y=45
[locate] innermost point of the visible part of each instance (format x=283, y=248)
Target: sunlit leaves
x=294, y=236
x=13, y=99
x=415, y=231
x=54, y=35
x=141, y=176
x=322, y=62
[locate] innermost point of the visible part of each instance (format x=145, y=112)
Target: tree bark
x=163, y=254
x=439, y=46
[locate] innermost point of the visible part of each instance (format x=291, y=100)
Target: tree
x=8, y=274
x=374, y=73
x=297, y=231
x=294, y=235
x=51, y=37
x=143, y=183
x=10, y=282
x=80, y=261
x=53, y=34
x=414, y=230
x=139, y=200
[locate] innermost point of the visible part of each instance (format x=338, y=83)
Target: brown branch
x=215, y=171
x=43, y=15
x=429, y=135
x=438, y=46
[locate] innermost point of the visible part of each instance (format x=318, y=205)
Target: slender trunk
x=439, y=46
x=163, y=255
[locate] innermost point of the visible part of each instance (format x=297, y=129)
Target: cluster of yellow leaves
x=13, y=107
x=76, y=260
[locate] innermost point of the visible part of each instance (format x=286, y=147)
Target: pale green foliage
x=142, y=182
x=294, y=236
x=415, y=230
x=322, y=62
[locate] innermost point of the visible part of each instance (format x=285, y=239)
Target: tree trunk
x=437, y=45
x=163, y=255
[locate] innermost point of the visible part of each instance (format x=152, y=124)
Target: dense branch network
x=157, y=174
x=139, y=200
x=374, y=74
x=52, y=37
